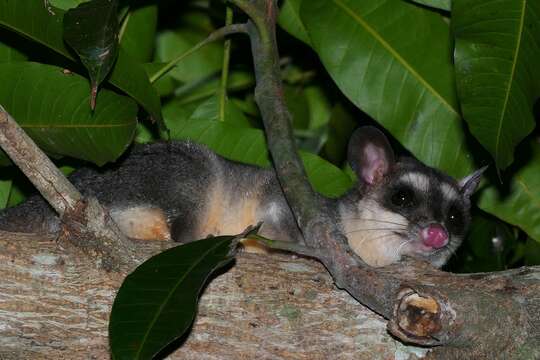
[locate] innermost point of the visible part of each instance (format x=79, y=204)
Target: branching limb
x=88, y=225
x=277, y=119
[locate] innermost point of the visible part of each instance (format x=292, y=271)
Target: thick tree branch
x=55, y=304
x=85, y=222
x=425, y=306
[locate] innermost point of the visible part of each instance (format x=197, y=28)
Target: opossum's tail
x=32, y=216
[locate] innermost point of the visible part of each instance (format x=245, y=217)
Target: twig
x=225, y=67
x=216, y=35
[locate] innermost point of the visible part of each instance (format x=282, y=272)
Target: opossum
x=183, y=191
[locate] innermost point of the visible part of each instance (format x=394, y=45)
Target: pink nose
x=435, y=236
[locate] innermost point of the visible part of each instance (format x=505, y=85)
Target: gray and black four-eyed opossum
x=183, y=191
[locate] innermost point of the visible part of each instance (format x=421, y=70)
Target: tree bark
x=55, y=304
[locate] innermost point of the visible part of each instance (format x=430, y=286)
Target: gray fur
x=170, y=176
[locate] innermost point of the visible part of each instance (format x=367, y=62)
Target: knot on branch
x=418, y=318
x=90, y=227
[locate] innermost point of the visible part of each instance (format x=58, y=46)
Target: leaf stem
x=216, y=35
x=225, y=68
x=290, y=246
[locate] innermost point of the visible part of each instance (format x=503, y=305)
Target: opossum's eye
x=455, y=219
x=403, y=197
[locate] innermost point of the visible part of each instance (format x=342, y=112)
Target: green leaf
x=157, y=302
x=297, y=105
x=47, y=30
x=289, y=20
x=519, y=203
x=144, y=134
x=210, y=110
x=248, y=146
x=21, y=187
x=138, y=34
x=91, y=29
x=66, y=4
x=5, y=190
x=200, y=64
x=10, y=47
x=320, y=109
x=52, y=107
x=393, y=60
x=175, y=112
x=131, y=78
x=437, y=4
x=238, y=80
x=497, y=55
x=341, y=126
x=164, y=85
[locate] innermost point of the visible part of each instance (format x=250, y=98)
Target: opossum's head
x=403, y=208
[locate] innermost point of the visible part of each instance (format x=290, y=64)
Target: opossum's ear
x=470, y=182
x=370, y=154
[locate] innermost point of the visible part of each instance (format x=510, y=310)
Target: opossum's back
x=162, y=175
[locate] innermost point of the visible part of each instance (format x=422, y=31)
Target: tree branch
x=85, y=222
x=61, y=194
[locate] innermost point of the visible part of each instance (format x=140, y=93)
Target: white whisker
x=375, y=220
x=373, y=229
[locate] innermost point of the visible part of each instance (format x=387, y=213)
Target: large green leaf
x=138, y=33
x=393, y=60
x=210, y=109
x=52, y=107
x=248, y=146
x=8, y=51
x=47, y=30
x=520, y=203
x=289, y=19
x=91, y=29
x=157, y=303
x=497, y=55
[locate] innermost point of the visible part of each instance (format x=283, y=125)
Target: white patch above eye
x=449, y=192
x=417, y=180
